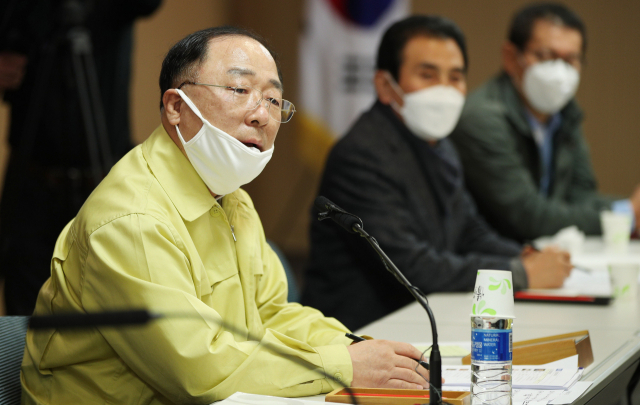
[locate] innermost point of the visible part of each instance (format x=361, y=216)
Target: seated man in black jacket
x=398, y=172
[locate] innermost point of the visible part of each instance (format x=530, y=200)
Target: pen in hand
x=357, y=338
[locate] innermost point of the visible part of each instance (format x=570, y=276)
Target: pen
x=357, y=338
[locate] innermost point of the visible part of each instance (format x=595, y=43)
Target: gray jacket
x=502, y=166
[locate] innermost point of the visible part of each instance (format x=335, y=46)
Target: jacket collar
x=516, y=113
x=393, y=122
x=176, y=175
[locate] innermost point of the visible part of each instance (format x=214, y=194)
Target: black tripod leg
x=98, y=110
x=38, y=98
x=77, y=44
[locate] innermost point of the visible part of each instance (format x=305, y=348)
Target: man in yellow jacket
x=170, y=230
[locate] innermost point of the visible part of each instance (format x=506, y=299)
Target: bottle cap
x=493, y=295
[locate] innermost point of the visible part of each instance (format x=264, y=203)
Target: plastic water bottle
x=491, y=355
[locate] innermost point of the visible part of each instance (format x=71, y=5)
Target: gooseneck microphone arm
x=93, y=320
x=140, y=317
x=353, y=224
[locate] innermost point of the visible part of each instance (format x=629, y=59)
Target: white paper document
x=447, y=349
x=241, y=398
x=539, y=396
x=519, y=397
x=534, y=397
x=544, y=397
x=523, y=377
x=589, y=282
x=592, y=283
x=573, y=393
x=567, y=363
x=534, y=377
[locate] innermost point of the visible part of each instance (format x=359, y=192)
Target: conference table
x=614, y=329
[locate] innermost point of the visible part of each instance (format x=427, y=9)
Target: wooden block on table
x=380, y=396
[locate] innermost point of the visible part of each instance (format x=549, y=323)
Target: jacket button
x=214, y=212
x=338, y=376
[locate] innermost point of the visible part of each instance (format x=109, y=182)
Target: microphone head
x=322, y=204
x=338, y=215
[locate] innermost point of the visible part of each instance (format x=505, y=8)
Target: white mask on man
x=549, y=85
x=223, y=162
x=432, y=113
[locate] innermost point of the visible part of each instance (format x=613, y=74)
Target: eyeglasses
x=543, y=55
x=250, y=98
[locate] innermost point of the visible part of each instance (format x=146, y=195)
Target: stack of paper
x=523, y=377
x=241, y=398
x=554, y=383
x=543, y=397
x=581, y=282
x=532, y=385
x=448, y=349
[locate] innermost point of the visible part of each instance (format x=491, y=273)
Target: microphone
x=327, y=209
x=353, y=224
x=92, y=320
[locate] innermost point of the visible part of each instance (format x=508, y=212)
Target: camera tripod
x=72, y=32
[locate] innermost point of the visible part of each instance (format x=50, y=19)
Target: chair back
x=13, y=330
x=293, y=294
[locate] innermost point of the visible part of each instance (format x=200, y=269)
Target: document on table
x=532, y=386
x=588, y=283
x=570, y=362
x=533, y=377
x=252, y=399
x=519, y=397
x=523, y=377
x=543, y=397
x=592, y=283
x=447, y=349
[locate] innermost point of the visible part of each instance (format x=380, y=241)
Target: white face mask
x=548, y=86
x=223, y=162
x=431, y=113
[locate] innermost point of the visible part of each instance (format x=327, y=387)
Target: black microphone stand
x=435, y=360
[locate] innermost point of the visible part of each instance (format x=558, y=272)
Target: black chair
x=294, y=295
x=12, y=340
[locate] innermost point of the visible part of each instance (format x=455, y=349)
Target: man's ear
x=386, y=93
x=510, y=61
x=172, y=103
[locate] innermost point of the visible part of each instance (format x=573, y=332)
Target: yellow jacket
x=152, y=236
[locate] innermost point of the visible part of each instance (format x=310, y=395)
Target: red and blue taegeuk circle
x=365, y=13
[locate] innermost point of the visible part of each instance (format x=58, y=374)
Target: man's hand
x=11, y=70
x=386, y=364
x=635, y=202
x=548, y=268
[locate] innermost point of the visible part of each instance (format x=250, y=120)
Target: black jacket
x=412, y=199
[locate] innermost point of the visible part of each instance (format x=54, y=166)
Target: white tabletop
x=614, y=329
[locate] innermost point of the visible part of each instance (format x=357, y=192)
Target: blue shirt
x=543, y=136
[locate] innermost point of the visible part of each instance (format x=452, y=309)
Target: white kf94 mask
x=432, y=113
x=550, y=85
x=223, y=162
